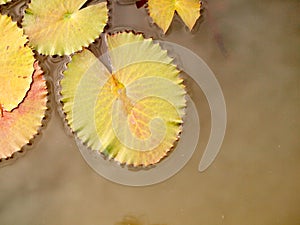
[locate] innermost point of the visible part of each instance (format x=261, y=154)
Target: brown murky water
x=253, y=48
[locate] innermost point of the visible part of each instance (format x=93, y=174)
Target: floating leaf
x=63, y=27
x=133, y=114
x=21, y=124
x=16, y=64
x=162, y=12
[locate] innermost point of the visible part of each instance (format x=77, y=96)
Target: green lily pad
x=60, y=27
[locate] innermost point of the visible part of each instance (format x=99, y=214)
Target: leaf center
x=68, y=15
x=117, y=87
x=119, y=90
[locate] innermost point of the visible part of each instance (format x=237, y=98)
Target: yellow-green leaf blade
x=120, y=44
x=149, y=131
x=16, y=63
x=80, y=87
x=133, y=115
x=148, y=107
x=61, y=27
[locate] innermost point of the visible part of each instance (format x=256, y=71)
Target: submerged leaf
x=21, y=124
x=16, y=64
x=162, y=12
x=133, y=115
x=63, y=27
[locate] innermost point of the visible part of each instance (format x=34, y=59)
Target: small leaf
x=133, y=115
x=162, y=12
x=21, y=124
x=62, y=27
x=16, y=63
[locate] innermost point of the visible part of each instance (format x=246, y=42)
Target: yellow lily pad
x=21, y=124
x=60, y=27
x=16, y=64
x=162, y=12
x=132, y=114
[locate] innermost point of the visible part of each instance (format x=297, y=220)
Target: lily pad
x=63, y=27
x=16, y=63
x=132, y=114
x=19, y=126
x=162, y=12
